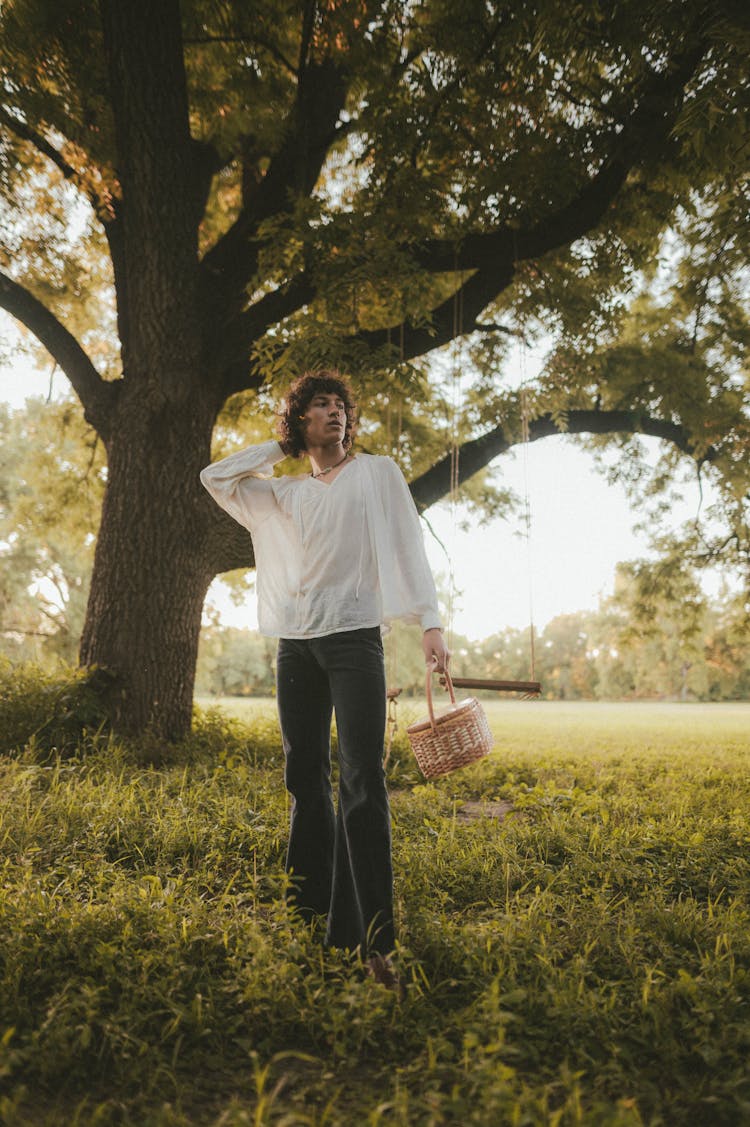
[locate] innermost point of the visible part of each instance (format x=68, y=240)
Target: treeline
x=656, y=638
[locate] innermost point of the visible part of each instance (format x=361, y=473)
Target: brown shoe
x=381, y=969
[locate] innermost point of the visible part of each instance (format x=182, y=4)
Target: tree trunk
x=151, y=567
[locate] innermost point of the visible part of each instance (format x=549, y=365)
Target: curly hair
x=326, y=381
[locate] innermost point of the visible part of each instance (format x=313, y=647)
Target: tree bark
x=152, y=567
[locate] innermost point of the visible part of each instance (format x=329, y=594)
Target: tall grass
x=585, y=960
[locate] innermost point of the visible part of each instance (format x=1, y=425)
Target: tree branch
x=400, y=66
x=249, y=326
x=255, y=40
x=471, y=298
x=293, y=171
x=26, y=133
x=308, y=27
x=441, y=96
x=103, y=205
x=98, y=396
x=492, y=256
x=6, y=631
x=494, y=327
x=477, y=453
x=646, y=130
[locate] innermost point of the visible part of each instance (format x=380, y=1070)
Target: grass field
x=561, y=725
x=586, y=959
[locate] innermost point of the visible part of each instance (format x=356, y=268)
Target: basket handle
x=432, y=668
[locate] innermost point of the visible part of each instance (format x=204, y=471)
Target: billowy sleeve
x=413, y=575
x=242, y=483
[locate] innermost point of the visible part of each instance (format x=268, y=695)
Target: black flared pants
x=339, y=862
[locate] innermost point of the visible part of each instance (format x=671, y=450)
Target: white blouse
x=329, y=557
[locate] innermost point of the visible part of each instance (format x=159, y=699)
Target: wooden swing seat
x=528, y=688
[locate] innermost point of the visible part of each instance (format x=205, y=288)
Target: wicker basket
x=453, y=738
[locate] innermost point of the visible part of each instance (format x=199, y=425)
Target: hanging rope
x=455, y=446
x=391, y=724
x=527, y=502
x=393, y=442
x=525, y=413
x=530, y=688
x=527, y=689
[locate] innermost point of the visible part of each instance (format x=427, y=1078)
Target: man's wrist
x=431, y=624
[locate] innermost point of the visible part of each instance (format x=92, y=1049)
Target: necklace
x=328, y=469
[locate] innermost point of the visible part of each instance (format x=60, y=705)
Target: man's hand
x=435, y=649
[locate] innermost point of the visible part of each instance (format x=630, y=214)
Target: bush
x=60, y=714
x=54, y=712
x=215, y=737
x=231, y=741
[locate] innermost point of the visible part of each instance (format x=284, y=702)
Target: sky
x=581, y=526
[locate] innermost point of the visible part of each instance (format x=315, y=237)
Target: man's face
x=325, y=420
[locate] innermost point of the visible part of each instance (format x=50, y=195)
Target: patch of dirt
x=471, y=811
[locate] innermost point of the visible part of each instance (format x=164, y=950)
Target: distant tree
x=245, y=192
x=727, y=651
x=235, y=662
x=52, y=479
x=565, y=665
x=503, y=655
x=655, y=632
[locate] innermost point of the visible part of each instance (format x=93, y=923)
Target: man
x=339, y=554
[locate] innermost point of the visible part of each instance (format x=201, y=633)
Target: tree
x=361, y=183
x=679, y=351
x=727, y=650
x=655, y=637
x=233, y=662
x=52, y=474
